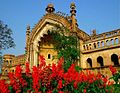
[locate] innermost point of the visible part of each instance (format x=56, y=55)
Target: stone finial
x=28, y=27
x=73, y=14
x=27, y=37
x=94, y=32
x=73, y=11
x=28, y=30
x=50, y=8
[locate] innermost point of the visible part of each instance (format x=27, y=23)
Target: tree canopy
x=6, y=40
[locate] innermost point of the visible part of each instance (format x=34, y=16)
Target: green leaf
x=11, y=89
x=55, y=91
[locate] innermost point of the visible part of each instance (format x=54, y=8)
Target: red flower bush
x=54, y=79
x=4, y=87
x=27, y=71
x=113, y=70
x=116, y=75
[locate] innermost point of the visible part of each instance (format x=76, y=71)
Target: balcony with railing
x=102, y=41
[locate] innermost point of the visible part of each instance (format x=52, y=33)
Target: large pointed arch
x=47, y=23
x=41, y=29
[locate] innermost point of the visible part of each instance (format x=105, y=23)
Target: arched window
x=49, y=56
x=116, y=41
x=89, y=62
x=87, y=47
x=98, y=44
x=84, y=47
x=100, y=61
x=114, y=59
x=102, y=43
x=112, y=42
x=107, y=43
x=90, y=46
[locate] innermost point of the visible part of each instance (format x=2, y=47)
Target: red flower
x=113, y=70
x=110, y=83
x=49, y=92
x=60, y=73
x=42, y=61
x=61, y=92
x=35, y=76
x=104, y=81
x=60, y=85
x=99, y=76
x=18, y=71
x=10, y=75
x=84, y=91
x=75, y=84
x=60, y=63
x=27, y=69
x=3, y=87
x=22, y=82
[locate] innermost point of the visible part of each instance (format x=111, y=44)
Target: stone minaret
x=73, y=14
x=27, y=33
x=27, y=39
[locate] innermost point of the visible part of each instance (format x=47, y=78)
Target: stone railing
x=102, y=41
x=105, y=35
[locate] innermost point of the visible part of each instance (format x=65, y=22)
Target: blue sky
x=102, y=15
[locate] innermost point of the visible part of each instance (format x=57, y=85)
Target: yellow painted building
x=97, y=51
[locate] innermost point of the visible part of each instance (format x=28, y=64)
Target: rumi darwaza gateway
x=97, y=51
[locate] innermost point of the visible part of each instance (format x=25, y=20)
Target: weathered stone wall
x=105, y=54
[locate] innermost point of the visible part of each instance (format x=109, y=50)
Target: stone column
x=35, y=58
x=35, y=54
x=114, y=41
x=101, y=43
x=105, y=43
x=31, y=55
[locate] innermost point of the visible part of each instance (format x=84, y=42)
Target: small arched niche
x=100, y=61
x=114, y=59
x=89, y=63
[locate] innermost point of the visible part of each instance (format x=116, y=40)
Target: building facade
x=97, y=51
x=10, y=63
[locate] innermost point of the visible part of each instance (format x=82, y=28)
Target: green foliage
x=65, y=44
x=116, y=78
x=116, y=88
x=78, y=69
x=0, y=57
x=29, y=82
x=6, y=41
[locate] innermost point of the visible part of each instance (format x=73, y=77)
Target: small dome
x=50, y=8
x=50, y=5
